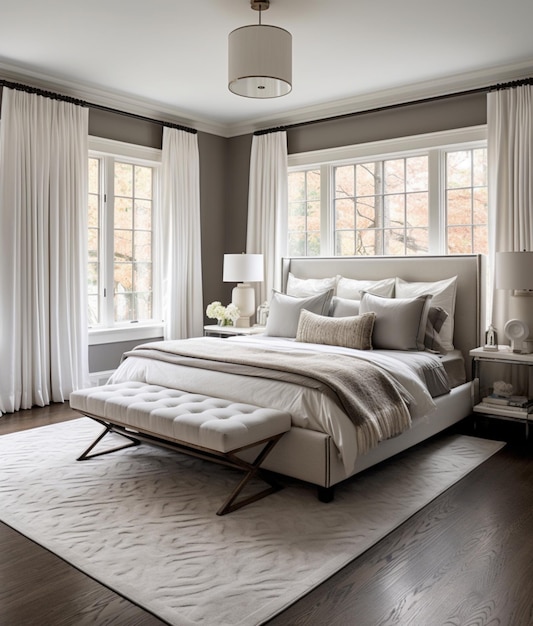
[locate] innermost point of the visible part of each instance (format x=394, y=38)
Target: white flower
x=232, y=312
x=215, y=310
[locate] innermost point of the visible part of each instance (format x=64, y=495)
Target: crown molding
x=112, y=99
x=398, y=95
x=164, y=113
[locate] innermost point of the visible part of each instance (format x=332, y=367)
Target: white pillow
x=349, y=332
x=352, y=288
x=302, y=287
x=400, y=322
x=443, y=292
x=284, y=312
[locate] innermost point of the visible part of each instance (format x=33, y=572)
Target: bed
x=431, y=389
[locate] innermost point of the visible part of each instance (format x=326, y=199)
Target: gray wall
x=224, y=174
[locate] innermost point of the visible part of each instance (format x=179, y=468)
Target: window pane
x=123, y=276
x=417, y=209
x=143, y=305
x=369, y=242
x=296, y=244
x=345, y=243
x=344, y=182
x=143, y=214
x=313, y=244
x=123, y=213
x=143, y=182
x=123, y=307
x=417, y=173
x=123, y=245
x=466, y=201
x=394, y=214
x=368, y=180
x=93, y=242
x=296, y=186
x=124, y=179
x=304, y=213
x=344, y=214
x=143, y=276
x=460, y=206
x=481, y=239
x=460, y=240
x=480, y=167
x=366, y=212
x=142, y=248
x=394, y=176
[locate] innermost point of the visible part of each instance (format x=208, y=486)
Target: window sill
x=125, y=333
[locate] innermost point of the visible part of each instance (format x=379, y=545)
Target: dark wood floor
x=466, y=559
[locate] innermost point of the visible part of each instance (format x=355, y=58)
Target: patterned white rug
x=142, y=521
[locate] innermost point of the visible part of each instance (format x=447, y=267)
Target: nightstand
x=214, y=330
x=504, y=355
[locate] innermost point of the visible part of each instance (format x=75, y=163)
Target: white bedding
x=309, y=408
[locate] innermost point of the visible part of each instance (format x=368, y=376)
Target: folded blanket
x=376, y=403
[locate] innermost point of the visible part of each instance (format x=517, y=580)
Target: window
x=431, y=199
x=121, y=268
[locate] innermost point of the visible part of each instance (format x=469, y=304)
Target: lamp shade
x=260, y=61
x=514, y=270
x=243, y=268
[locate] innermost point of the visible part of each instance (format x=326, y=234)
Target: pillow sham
x=302, y=287
x=443, y=292
x=284, y=311
x=348, y=332
x=352, y=288
x=343, y=307
x=400, y=322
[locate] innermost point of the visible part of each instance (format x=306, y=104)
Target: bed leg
x=326, y=494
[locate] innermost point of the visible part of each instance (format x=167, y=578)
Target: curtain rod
x=83, y=103
x=388, y=107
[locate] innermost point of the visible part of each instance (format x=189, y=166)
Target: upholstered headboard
x=469, y=269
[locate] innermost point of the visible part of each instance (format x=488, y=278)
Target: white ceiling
x=169, y=57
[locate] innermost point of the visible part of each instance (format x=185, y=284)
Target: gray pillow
x=348, y=332
x=436, y=318
x=400, y=322
x=285, y=311
x=343, y=307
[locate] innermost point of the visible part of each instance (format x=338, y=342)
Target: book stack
x=506, y=406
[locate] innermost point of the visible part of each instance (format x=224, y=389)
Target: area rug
x=142, y=521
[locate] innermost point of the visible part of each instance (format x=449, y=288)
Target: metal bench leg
x=108, y=428
x=252, y=469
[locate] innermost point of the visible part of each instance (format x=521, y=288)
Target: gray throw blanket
x=375, y=403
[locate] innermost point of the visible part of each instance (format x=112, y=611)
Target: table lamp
x=514, y=271
x=243, y=269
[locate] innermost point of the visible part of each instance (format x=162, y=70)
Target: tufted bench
x=200, y=425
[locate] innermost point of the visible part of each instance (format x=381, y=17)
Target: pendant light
x=260, y=59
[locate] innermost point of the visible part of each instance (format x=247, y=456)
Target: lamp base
x=243, y=297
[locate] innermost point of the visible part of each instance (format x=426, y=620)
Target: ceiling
x=168, y=58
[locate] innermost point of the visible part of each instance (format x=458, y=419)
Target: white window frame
x=433, y=144
x=110, y=331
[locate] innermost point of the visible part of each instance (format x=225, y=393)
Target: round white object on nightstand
x=516, y=331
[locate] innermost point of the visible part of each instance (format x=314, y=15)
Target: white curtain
x=181, y=254
x=510, y=176
x=267, y=207
x=43, y=235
